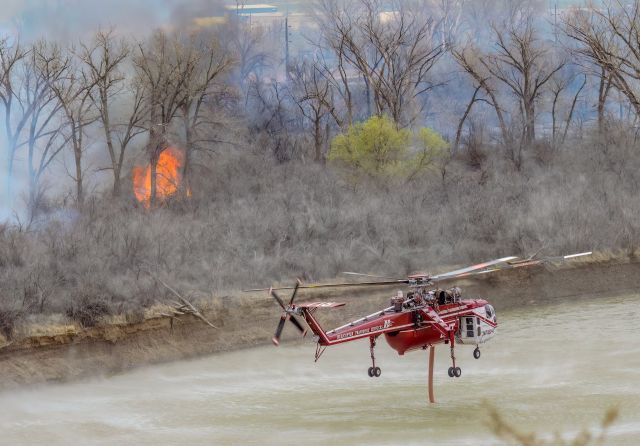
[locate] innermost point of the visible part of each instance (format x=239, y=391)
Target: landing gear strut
x=453, y=370
x=373, y=370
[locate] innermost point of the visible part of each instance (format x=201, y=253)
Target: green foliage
x=374, y=146
x=377, y=147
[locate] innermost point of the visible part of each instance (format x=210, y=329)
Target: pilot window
x=489, y=310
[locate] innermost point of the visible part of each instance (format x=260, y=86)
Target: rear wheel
x=476, y=353
x=450, y=372
x=370, y=372
x=457, y=372
x=377, y=372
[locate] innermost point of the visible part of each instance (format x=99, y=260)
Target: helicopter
x=423, y=318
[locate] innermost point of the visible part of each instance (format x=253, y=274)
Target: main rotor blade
x=567, y=257
x=333, y=285
x=368, y=275
x=470, y=269
x=502, y=264
x=276, y=337
x=480, y=268
x=298, y=325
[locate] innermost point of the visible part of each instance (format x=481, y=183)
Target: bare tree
x=334, y=26
x=45, y=66
x=248, y=47
x=274, y=120
x=163, y=69
x=561, y=83
x=465, y=115
x=469, y=60
x=393, y=53
x=524, y=65
x=73, y=93
x=606, y=47
x=313, y=94
x=14, y=100
x=206, y=63
x=104, y=61
x=31, y=107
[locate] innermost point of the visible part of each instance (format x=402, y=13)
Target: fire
x=167, y=177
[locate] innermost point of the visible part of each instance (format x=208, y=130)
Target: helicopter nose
x=490, y=313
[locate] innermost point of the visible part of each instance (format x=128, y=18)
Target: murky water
x=549, y=369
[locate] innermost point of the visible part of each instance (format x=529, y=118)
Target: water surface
x=555, y=368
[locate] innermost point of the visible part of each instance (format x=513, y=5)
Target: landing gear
x=373, y=370
x=453, y=370
x=476, y=353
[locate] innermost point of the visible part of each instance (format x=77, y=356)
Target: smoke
x=67, y=20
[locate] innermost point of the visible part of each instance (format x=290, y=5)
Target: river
x=550, y=369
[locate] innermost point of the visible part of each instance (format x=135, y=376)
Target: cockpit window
x=489, y=310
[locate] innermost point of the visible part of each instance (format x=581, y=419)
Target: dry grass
x=252, y=221
x=512, y=436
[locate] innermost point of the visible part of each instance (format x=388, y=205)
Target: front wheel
x=370, y=372
x=457, y=372
x=476, y=353
x=377, y=372
x=451, y=372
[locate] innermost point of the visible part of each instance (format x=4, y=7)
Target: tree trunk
x=77, y=152
x=464, y=118
x=184, y=183
x=603, y=93
x=571, y=110
x=106, y=123
x=8, y=185
x=154, y=149
x=317, y=139
x=530, y=122
x=117, y=190
x=368, y=93
x=153, y=164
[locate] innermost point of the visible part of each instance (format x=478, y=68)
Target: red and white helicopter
x=425, y=317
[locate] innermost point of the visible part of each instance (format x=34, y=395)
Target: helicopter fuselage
x=412, y=326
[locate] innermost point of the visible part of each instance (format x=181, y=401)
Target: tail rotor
x=288, y=314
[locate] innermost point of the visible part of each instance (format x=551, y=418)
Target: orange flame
x=167, y=177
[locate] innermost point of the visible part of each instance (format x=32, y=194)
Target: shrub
x=8, y=320
x=88, y=310
x=377, y=147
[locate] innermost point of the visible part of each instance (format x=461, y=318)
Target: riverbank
x=67, y=352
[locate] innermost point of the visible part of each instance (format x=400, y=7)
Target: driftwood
x=183, y=307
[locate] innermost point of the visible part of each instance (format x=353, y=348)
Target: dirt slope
x=249, y=320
